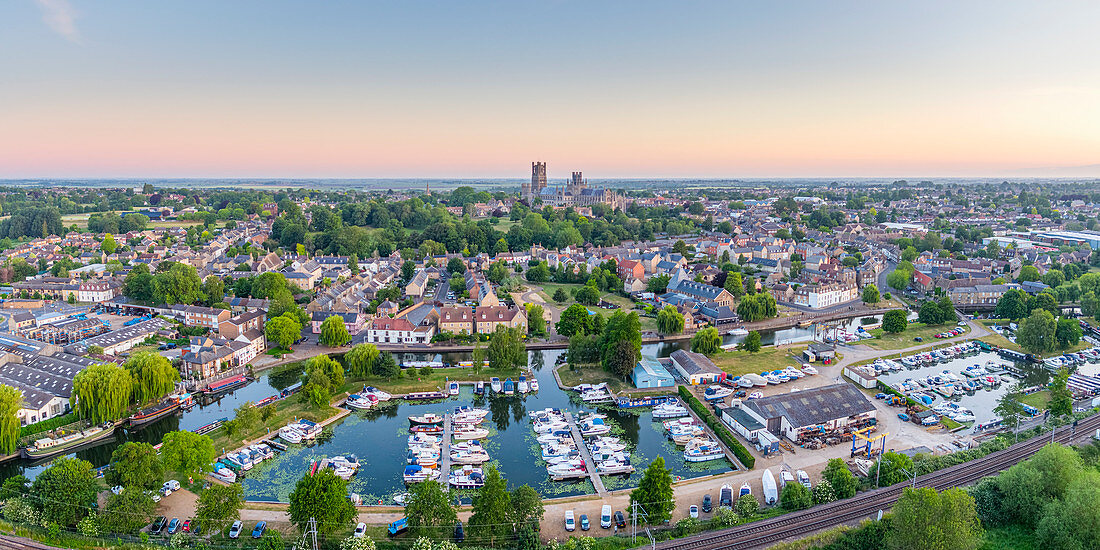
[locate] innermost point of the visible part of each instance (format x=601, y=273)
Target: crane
x=870, y=441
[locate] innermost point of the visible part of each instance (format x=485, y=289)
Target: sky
x=478, y=89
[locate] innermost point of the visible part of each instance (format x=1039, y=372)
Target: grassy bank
x=738, y=362
x=593, y=374
x=411, y=380
x=1000, y=341
x=1040, y=399
x=885, y=340
x=286, y=410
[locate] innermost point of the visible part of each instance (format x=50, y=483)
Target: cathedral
x=574, y=193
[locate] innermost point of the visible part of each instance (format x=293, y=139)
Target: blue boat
x=509, y=387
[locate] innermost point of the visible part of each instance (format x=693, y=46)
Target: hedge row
x=719, y=428
x=47, y=425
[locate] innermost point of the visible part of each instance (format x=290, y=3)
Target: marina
x=589, y=462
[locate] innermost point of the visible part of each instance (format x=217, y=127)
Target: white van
x=605, y=516
x=570, y=521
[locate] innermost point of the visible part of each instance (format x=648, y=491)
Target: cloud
x=60, y=17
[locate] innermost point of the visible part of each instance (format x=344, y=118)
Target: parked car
x=693, y=511
x=605, y=517
x=173, y=526
x=235, y=530
x=158, y=525
x=707, y=504
x=186, y=526
x=258, y=531
x=360, y=530
x=620, y=520
x=570, y=521
x=584, y=522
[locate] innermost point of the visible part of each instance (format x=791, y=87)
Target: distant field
x=81, y=221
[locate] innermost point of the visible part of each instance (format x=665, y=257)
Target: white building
x=825, y=295
x=398, y=331
x=97, y=291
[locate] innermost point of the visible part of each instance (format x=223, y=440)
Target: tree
x=890, y=467
x=408, y=269
x=456, y=266
x=271, y=540
x=823, y=492
x=219, y=505
x=68, y=489
x=894, y=321
x=587, y=295
x=353, y=264
x=457, y=284
x=734, y=284
x=506, y=349
x=128, y=512
x=11, y=400
x=1046, y=301
x=840, y=477
x=1067, y=333
x=1028, y=273
x=179, y=285
x=1010, y=408
x=1054, y=278
x=386, y=366
x=706, y=341
x=923, y=518
x=284, y=330
x=1089, y=304
x=334, y=332
x=795, y=496
x=135, y=466
x=428, y=509
x=870, y=294
x=153, y=375
x=1061, y=400
x=1012, y=305
x=108, y=245
x=621, y=342
x=929, y=313
x=214, y=289
x=1074, y=521
x=1036, y=333
x=576, y=319
x=752, y=342
x=497, y=273
x=670, y=321
x=360, y=360
x=899, y=279
x=102, y=392
x=536, y=319
x=539, y=273
x=491, y=509
x=527, y=506
x=188, y=453
x=654, y=492
x=658, y=284
x=560, y=296
x=747, y=506
x=324, y=497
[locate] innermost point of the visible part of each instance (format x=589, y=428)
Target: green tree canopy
x=283, y=330
x=670, y=321
x=841, y=478
x=621, y=342
x=492, y=510
x=870, y=294
x=895, y=321
x=136, y=466
x=67, y=490
x=752, y=342
x=11, y=400
x=102, y=392
x=506, y=349
x=429, y=510
x=360, y=359
x=188, y=453
x=219, y=505
x=323, y=497
x=654, y=492
x=153, y=375
x=1036, y=332
x=707, y=341
x=128, y=512
x=334, y=332
x=923, y=518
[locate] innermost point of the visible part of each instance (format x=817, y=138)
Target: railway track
x=865, y=505
x=11, y=542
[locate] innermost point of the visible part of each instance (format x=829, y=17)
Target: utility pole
x=311, y=531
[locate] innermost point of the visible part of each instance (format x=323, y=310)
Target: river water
x=378, y=437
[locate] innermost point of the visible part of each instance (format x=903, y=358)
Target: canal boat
x=207, y=428
x=509, y=387
x=452, y=388
x=168, y=405
x=291, y=389
x=494, y=383
x=426, y=429
x=226, y=384
x=52, y=446
x=266, y=401
x=425, y=396
x=428, y=418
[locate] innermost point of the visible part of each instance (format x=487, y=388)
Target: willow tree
x=11, y=400
x=102, y=392
x=154, y=376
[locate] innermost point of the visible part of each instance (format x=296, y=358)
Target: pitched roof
x=814, y=406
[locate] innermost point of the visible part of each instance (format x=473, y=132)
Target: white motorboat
x=522, y=386
x=771, y=492
x=756, y=379
x=376, y=393
x=343, y=472
x=494, y=383
x=422, y=439
x=224, y=474
x=466, y=434
x=452, y=388
x=469, y=457
x=358, y=402
x=809, y=369
x=534, y=385
x=714, y=393
x=401, y=498
x=290, y=435
x=466, y=477
x=739, y=331
x=595, y=427
x=415, y=473
x=566, y=470
x=615, y=467
x=468, y=446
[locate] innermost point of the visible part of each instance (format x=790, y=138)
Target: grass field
x=591, y=375
x=548, y=290
x=285, y=411
x=1000, y=341
x=885, y=340
x=738, y=362
x=1040, y=399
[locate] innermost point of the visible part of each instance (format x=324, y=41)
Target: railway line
x=12, y=542
x=865, y=505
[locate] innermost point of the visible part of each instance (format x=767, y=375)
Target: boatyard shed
x=649, y=373
x=818, y=352
x=750, y=428
x=818, y=410
x=695, y=368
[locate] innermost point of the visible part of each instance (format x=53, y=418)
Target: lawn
x=548, y=290
x=590, y=375
x=412, y=381
x=1040, y=399
x=738, y=362
x=286, y=410
x=886, y=340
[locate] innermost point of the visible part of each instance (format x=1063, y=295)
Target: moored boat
x=51, y=446
x=428, y=418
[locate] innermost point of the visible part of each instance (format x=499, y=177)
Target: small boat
x=308, y=428
x=420, y=439
x=739, y=331
x=401, y=498
x=466, y=477
x=703, y=452
x=466, y=410
x=566, y=470
x=221, y=473
x=414, y=473
x=479, y=388
x=744, y=382
x=803, y=478
x=509, y=387
x=521, y=386
x=426, y=429
x=452, y=388
x=534, y=385
x=377, y=393
x=595, y=427
x=469, y=457
x=745, y=490
x=714, y=393
x=669, y=410
x=291, y=435
x=165, y=407
x=615, y=467
x=52, y=446
x=429, y=418
x=466, y=434
x=756, y=379
x=358, y=402
x=494, y=383
x=771, y=492
x=207, y=428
